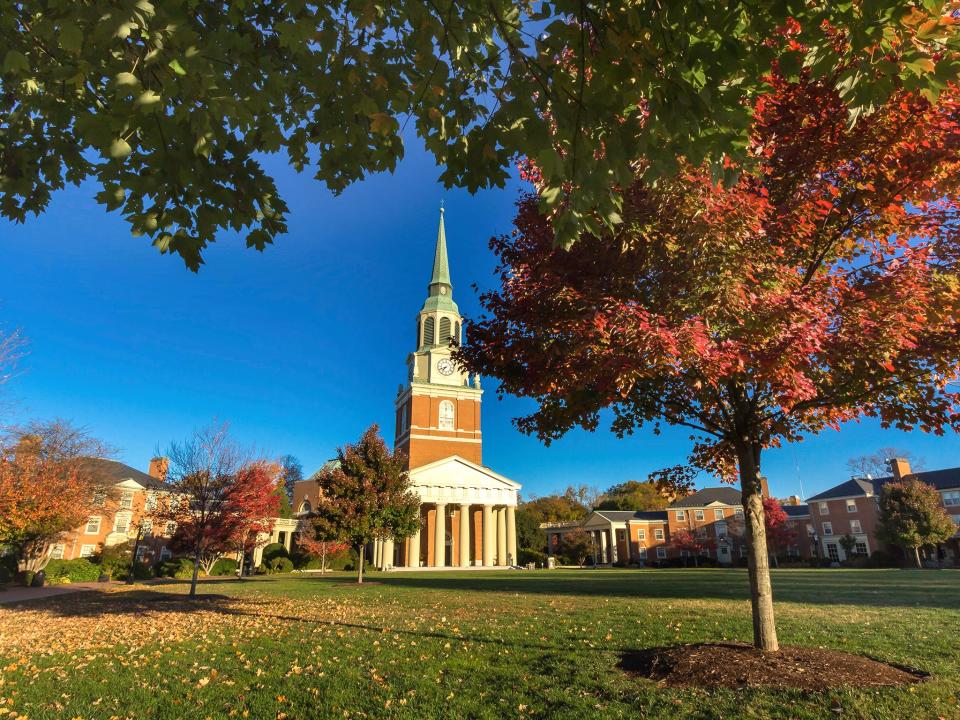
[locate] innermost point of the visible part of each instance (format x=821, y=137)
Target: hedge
x=273, y=550
x=224, y=566
x=71, y=571
x=178, y=568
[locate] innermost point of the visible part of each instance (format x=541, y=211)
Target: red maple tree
x=252, y=504
x=776, y=523
x=820, y=288
x=689, y=542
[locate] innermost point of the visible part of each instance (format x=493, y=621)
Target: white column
x=487, y=535
x=512, y=536
x=376, y=552
x=440, y=536
x=386, y=560
x=550, y=537
x=603, y=547
x=413, y=550
x=464, y=535
x=501, y=536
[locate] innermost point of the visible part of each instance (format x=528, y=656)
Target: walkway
x=17, y=594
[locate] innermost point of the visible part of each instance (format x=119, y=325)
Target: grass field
x=464, y=645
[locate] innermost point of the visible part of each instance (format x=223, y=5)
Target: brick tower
x=438, y=410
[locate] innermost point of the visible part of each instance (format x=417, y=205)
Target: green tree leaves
x=199, y=91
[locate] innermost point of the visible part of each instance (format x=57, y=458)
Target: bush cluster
x=70, y=571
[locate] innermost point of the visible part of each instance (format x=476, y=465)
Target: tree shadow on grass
x=872, y=588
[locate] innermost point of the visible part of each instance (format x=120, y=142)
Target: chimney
x=158, y=468
x=900, y=468
x=764, y=488
x=793, y=500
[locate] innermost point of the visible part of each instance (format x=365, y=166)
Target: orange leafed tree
x=46, y=488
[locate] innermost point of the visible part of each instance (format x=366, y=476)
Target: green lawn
x=464, y=645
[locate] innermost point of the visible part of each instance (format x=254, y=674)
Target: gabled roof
x=796, y=511
x=111, y=472
x=946, y=479
x=854, y=487
x=627, y=515
x=328, y=465
x=708, y=496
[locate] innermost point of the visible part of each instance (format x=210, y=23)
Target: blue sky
x=302, y=346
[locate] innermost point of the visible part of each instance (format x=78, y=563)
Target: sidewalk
x=23, y=594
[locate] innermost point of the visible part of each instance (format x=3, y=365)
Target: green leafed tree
x=911, y=516
x=366, y=495
x=171, y=107
x=633, y=495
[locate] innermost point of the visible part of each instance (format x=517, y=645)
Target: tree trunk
x=758, y=564
x=360, y=564
x=696, y=561
x=323, y=559
x=916, y=556
x=196, y=571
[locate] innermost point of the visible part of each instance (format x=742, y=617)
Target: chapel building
x=467, y=511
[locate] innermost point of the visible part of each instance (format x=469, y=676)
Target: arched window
x=446, y=415
x=456, y=334
x=305, y=506
x=444, y=331
x=428, y=331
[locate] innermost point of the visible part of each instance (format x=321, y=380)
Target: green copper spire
x=441, y=269
x=440, y=289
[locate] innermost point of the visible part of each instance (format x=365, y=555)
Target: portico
x=467, y=519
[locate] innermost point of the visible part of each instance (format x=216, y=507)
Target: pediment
x=454, y=479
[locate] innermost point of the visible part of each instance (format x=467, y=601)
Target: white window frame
x=658, y=534
x=99, y=497
x=951, y=498
x=681, y=515
x=823, y=508
x=827, y=528
x=642, y=552
x=641, y=534
x=125, y=514
x=146, y=525
x=151, y=501
x=56, y=551
x=855, y=528
x=698, y=514
x=126, y=500
x=170, y=528
x=661, y=553
x=738, y=512
x=836, y=551
x=851, y=506
x=87, y=551
x=861, y=543
x=96, y=521
x=446, y=415
x=718, y=514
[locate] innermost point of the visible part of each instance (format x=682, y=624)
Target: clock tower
x=438, y=410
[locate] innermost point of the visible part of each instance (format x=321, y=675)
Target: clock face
x=445, y=366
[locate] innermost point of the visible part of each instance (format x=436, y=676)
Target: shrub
x=346, y=559
x=273, y=550
x=8, y=568
x=224, y=566
x=279, y=565
x=526, y=555
x=80, y=570
x=179, y=568
x=115, y=560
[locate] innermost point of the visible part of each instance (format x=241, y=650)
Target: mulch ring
x=737, y=665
